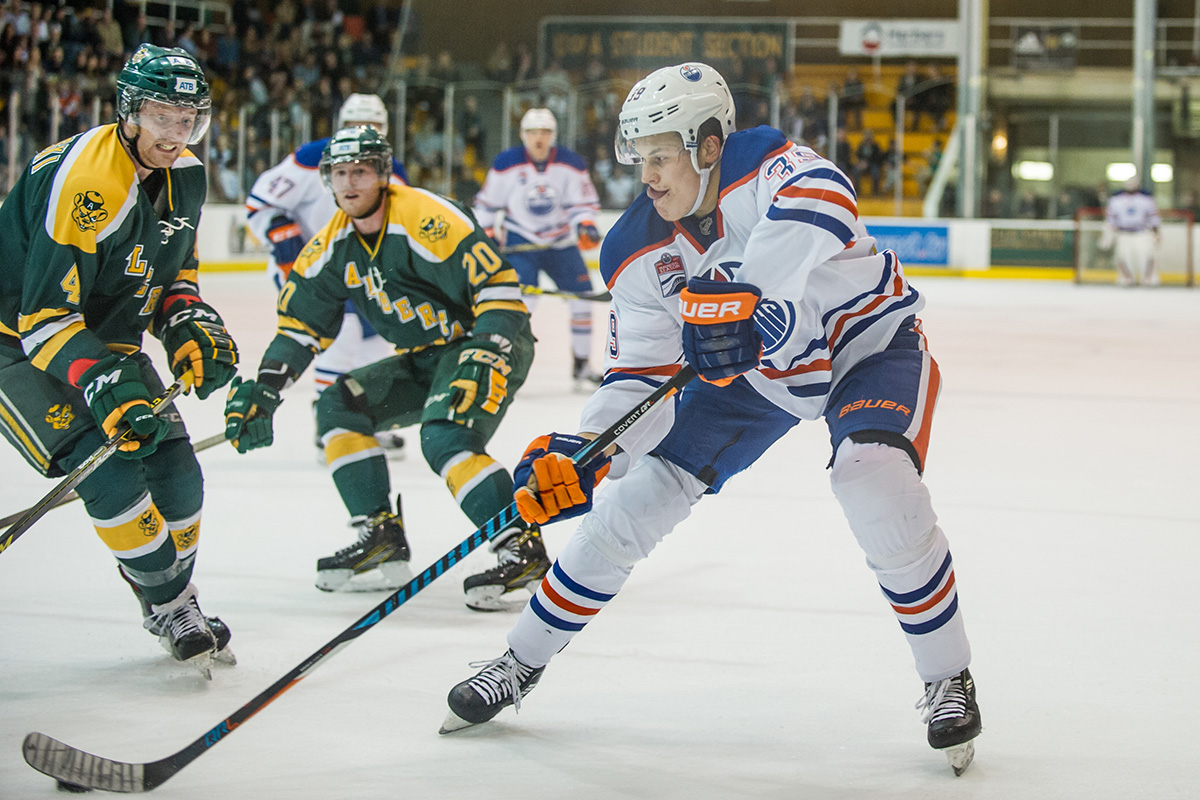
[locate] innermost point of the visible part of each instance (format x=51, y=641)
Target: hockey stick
x=79, y=769
x=600, y=297
x=199, y=446
x=89, y=465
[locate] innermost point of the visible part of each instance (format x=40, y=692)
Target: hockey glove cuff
x=563, y=489
x=119, y=400
x=286, y=242
x=720, y=339
x=481, y=378
x=196, y=341
x=248, y=411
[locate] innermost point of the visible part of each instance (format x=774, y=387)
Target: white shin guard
x=890, y=513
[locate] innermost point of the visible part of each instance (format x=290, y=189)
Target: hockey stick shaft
x=598, y=297
x=71, y=765
x=198, y=447
x=81, y=472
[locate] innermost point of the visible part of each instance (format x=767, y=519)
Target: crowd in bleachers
x=281, y=76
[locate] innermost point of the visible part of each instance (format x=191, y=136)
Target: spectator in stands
x=853, y=100
x=554, y=85
x=932, y=157
x=811, y=121
x=869, y=160
x=499, y=65
x=939, y=97
x=110, y=34
x=904, y=88
x=470, y=123
x=994, y=205
x=1029, y=206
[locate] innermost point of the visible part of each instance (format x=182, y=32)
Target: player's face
x=356, y=187
x=538, y=142
x=163, y=132
x=671, y=180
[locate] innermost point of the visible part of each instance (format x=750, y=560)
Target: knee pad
x=441, y=441
x=635, y=513
x=885, y=502
x=344, y=406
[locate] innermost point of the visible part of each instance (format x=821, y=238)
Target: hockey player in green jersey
x=425, y=275
x=99, y=246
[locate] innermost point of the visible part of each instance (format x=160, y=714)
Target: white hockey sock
x=581, y=327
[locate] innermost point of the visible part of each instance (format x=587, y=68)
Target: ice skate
x=953, y=718
x=378, y=561
x=523, y=562
x=184, y=632
x=500, y=683
x=220, y=631
x=583, y=379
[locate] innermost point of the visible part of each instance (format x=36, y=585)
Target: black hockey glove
x=481, y=379
x=119, y=399
x=249, y=408
x=196, y=340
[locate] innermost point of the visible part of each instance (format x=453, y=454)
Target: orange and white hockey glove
x=564, y=488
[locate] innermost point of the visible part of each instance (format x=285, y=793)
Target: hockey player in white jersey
x=286, y=207
x=1133, y=222
x=745, y=258
x=540, y=205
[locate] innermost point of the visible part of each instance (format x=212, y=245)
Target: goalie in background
x=425, y=275
x=99, y=246
x=540, y=205
x=1131, y=224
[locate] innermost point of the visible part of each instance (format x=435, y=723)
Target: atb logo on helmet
x=185, y=85
x=691, y=72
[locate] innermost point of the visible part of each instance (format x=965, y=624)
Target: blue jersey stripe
x=815, y=218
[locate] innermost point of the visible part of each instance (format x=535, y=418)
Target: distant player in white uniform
x=745, y=258
x=540, y=205
x=286, y=207
x=1132, y=217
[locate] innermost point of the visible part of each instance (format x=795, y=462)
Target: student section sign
x=647, y=43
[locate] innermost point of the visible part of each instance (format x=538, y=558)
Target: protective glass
x=173, y=123
x=352, y=175
x=641, y=150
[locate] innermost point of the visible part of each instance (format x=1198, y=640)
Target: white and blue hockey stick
x=80, y=771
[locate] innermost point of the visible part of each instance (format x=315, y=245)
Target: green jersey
x=89, y=258
x=428, y=277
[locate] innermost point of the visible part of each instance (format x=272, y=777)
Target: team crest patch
x=89, y=210
x=434, y=228
x=670, y=274
x=776, y=321
x=187, y=537
x=690, y=72
x=149, y=525
x=540, y=199
x=60, y=416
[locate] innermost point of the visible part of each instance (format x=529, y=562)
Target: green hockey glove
x=248, y=411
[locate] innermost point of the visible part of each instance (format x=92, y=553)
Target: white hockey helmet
x=362, y=108
x=540, y=119
x=1133, y=183
x=677, y=99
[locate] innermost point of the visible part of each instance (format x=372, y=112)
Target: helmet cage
x=676, y=99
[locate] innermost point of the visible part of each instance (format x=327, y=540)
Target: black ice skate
x=523, y=562
x=377, y=561
x=583, y=379
x=953, y=718
x=501, y=683
x=184, y=632
x=220, y=630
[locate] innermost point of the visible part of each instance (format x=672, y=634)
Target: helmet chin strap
x=705, y=174
x=132, y=143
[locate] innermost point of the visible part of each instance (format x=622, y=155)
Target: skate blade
x=386, y=577
x=960, y=756
x=453, y=722
x=493, y=598
x=225, y=657
x=202, y=664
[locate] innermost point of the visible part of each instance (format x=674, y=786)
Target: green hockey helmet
x=168, y=77
x=361, y=145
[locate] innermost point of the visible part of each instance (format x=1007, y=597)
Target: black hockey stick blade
x=89, y=465
x=598, y=297
x=203, y=444
x=73, y=766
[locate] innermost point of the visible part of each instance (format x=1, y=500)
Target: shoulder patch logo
x=434, y=228
x=669, y=268
x=59, y=416
x=89, y=210
x=168, y=228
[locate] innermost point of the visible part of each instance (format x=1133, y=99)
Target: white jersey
x=542, y=203
x=1131, y=212
x=787, y=223
x=293, y=188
